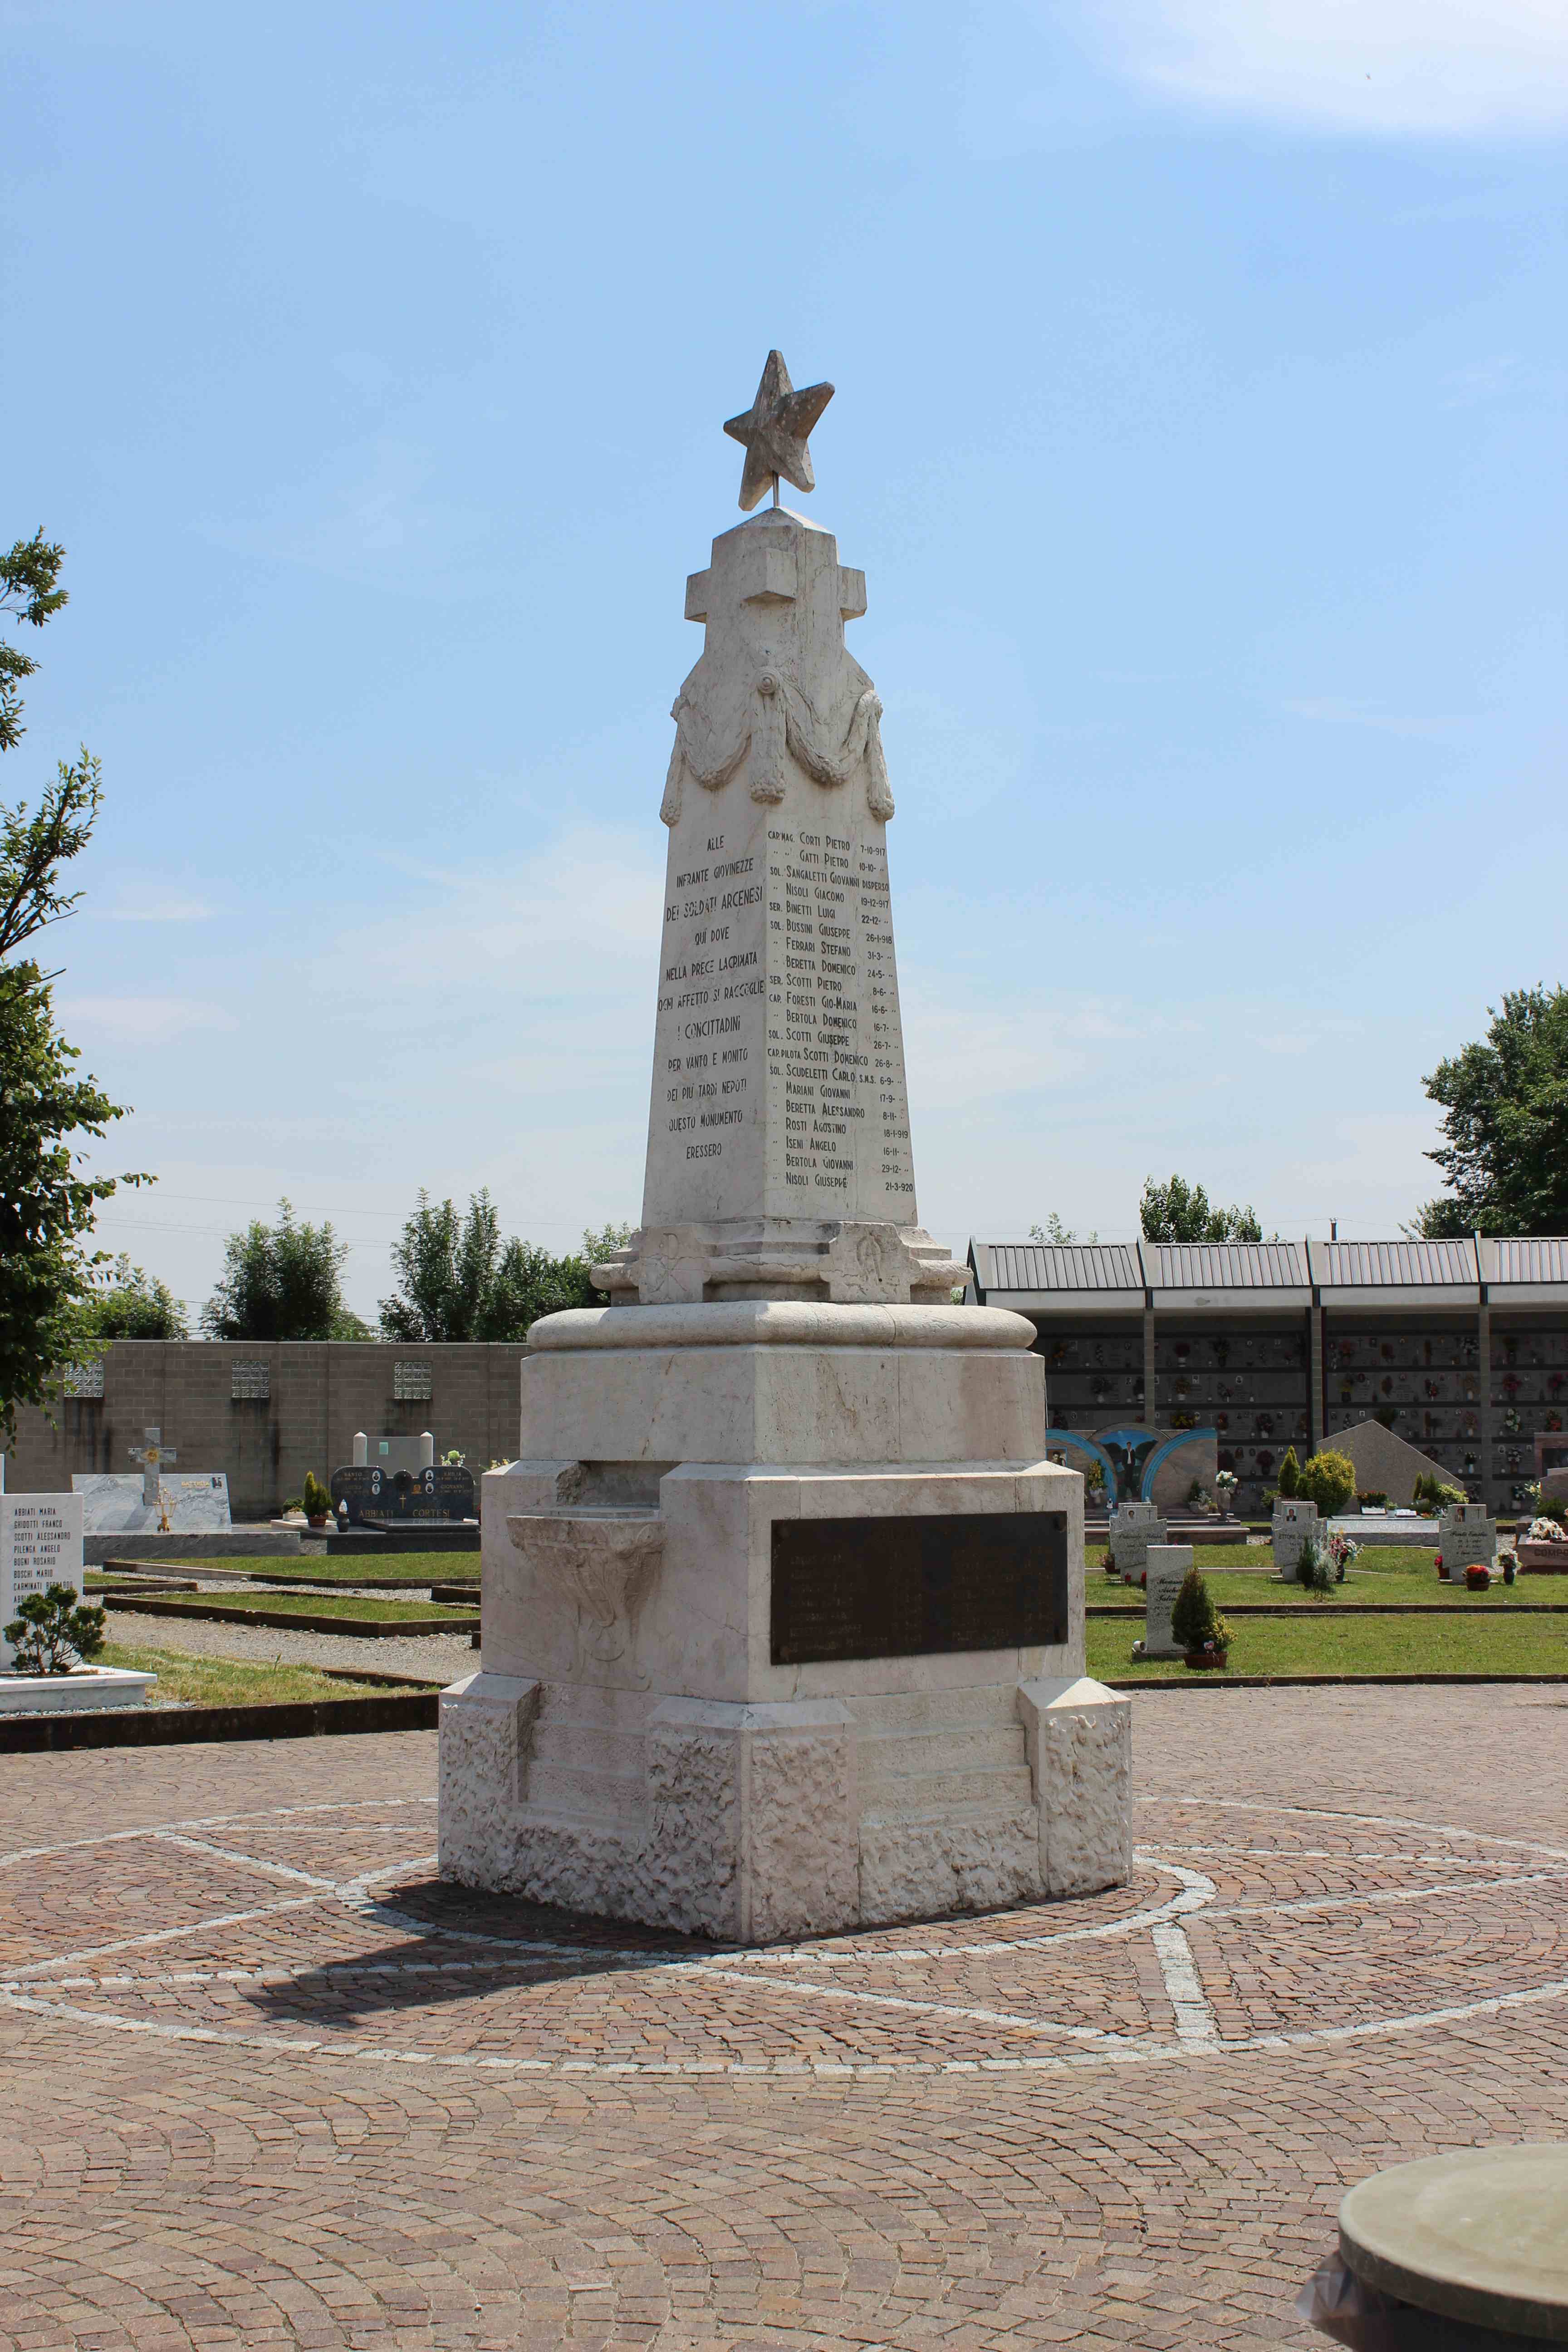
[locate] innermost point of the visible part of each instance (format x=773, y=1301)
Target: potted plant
x=318, y=1502
x=1197, y=1627
x=1315, y=1568
x=1478, y=1577
x=51, y=1632
x=1225, y=1487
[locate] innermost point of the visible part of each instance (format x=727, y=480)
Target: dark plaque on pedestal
x=376, y=1497
x=918, y=1587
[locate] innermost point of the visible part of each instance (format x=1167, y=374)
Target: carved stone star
x=773, y=432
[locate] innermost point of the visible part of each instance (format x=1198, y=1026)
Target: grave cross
x=151, y=1453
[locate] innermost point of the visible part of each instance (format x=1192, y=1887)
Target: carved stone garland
x=783, y=719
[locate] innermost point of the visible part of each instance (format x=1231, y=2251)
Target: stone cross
x=1467, y=1537
x=151, y=1453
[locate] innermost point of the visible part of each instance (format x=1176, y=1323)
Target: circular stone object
x=1480, y=2237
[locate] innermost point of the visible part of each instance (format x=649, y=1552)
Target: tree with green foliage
x=1180, y=1212
x=1289, y=1475
x=1505, y=1103
x=47, y=1204
x=128, y=1303
x=1057, y=1234
x=1196, y=1623
x=458, y=1280
x=280, y=1282
x=49, y=1631
x=1328, y=1479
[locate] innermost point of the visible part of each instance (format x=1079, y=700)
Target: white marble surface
x=1292, y=1523
x=1167, y=1568
x=778, y=1074
x=40, y=1545
x=1467, y=1536
x=192, y=1504
x=85, y=1690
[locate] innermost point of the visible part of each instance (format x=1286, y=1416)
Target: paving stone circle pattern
x=268, y=2082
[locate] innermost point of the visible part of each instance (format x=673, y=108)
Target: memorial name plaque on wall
x=372, y=1496
x=909, y=1588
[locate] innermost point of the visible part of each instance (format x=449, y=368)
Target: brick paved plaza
x=267, y=2082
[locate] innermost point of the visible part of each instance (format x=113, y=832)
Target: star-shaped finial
x=773, y=432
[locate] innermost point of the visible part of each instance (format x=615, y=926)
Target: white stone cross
x=151, y=1453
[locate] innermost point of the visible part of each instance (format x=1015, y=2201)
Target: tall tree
x=1505, y=1102
x=128, y=1303
x=458, y=1280
x=1180, y=1212
x=47, y=1204
x=280, y=1282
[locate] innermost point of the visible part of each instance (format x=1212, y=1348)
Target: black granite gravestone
x=372, y=1497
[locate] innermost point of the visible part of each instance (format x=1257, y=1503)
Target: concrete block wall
x=321, y=1393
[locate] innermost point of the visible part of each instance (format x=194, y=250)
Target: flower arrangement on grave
x=1554, y=1383
x=1511, y=1384
x=317, y=1503
x=454, y=1460
x=1553, y=1419
x=1544, y=1530
x=1225, y=1486
x=50, y=1634
x=1511, y=1422
x=1196, y=1624
x=1478, y=1577
x=1343, y=1549
x=1373, y=1494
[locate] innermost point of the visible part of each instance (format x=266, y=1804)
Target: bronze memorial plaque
x=911, y=1588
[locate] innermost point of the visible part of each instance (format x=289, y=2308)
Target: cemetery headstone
x=1466, y=1537
x=40, y=1545
x=193, y=1505
x=1168, y=1565
x=371, y=1496
x=1134, y=1528
x=1292, y=1523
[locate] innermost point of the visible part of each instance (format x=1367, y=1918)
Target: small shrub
x=49, y=1632
x=294, y=1502
x=1435, y=1494
x=1289, y=1475
x=1328, y=1479
x=1196, y=1623
x=318, y=1502
x=1315, y=1568
x=1373, y=1494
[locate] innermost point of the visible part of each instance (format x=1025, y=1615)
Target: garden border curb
x=1223, y=1681
x=176, y=1727
x=222, y=1612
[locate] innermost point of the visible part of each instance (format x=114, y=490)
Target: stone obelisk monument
x=783, y=1607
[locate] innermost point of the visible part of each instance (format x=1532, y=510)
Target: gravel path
x=442, y=1656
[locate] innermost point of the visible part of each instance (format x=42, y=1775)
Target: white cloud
x=142, y=1020
x=1443, y=68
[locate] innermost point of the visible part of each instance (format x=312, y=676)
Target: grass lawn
x=230, y=1682
x=410, y=1568
x=283, y=1608
x=1396, y=1572
x=1340, y=1645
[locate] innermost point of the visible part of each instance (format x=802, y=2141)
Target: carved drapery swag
x=781, y=720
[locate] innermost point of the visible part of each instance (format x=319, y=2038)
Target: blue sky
x=1199, y=428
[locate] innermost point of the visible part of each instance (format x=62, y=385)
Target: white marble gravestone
x=1467, y=1537
x=1134, y=1528
x=40, y=1545
x=1292, y=1523
x=782, y=1604
x=1167, y=1568
x=192, y=1504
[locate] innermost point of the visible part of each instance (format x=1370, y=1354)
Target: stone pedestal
x=1134, y=1528
x=656, y=1732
